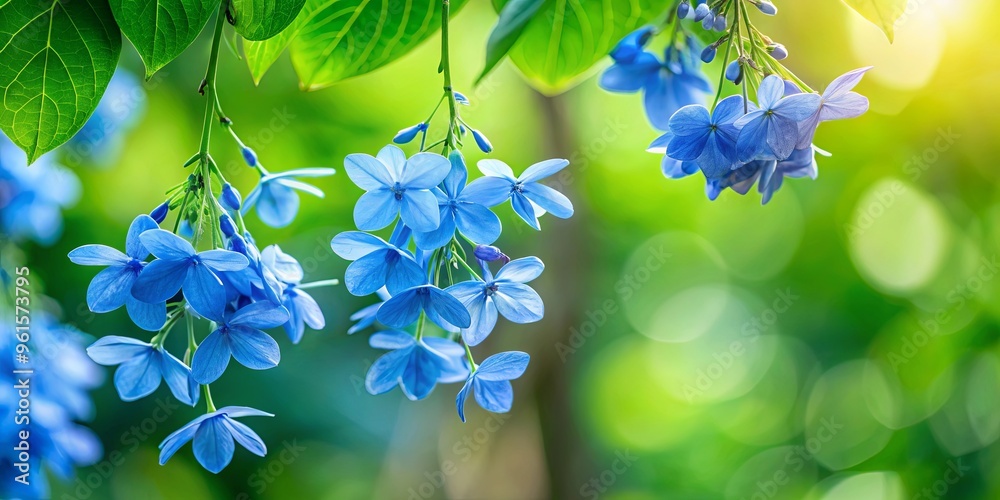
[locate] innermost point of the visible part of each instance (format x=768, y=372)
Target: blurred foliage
x=839, y=343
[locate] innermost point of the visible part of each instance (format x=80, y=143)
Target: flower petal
x=113, y=349
x=160, y=280
x=448, y=307
x=224, y=260
x=97, y=255
x=400, y=310
x=253, y=348
x=110, y=288
x=503, y=366
x=179, y=379
x=460, y=399
x=496, y=168
x=549, y=199
x=488, y=191
x=138, y=377
x=385, y=372
x=494, y=396
x=478, y=223
x=205, y=292
x=542, y=170
x=424, y=171
x=352, y=245
x=133, y=245
x=213, y=445
x=211, y=358
x=260, y=315
x=375, y=210
x=245, y=436
x=419, y=210
x=521, y=270
x=845, y=83
x=523, y=208
x=367, y=172
x=519, y=303
x=166, y=245
x=149, y=317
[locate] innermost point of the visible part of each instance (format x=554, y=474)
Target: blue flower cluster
x=209, y=271
x=667, y=84
x=424, y=272
x=32, y=199
x=736, y=143
x=48, y=407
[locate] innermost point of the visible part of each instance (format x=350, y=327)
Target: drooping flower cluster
x=736, y=143
x=435, y=267
x=43, y=397
x=207, y=274
x=32, y=199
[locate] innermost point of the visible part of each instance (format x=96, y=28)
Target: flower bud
x=720, y=23
x=249, y=156
x=701, y=11
x=709, y=21
x=708, y=55
x=683, y=10
x=230, y=197
x=766, y=7
x=461, y=99
x=160, y=213
x=227, y=225
x=408, y=134
x=238, y=244
x=482, y=141
x=489, y=253
x=734, y=71
x=778, y=51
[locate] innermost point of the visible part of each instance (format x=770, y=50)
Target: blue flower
x=668, y=85
x=376, y=264
x=395, y=186
x=740, y=180
x=404, y=308
x=673, y=169
x=491, y=382
x=142, y=368
x=179, y=266
x=365, y=316
x=239, y=335
x=707, y=140
x=275, y=195
x=415, y=365
x=457, y=210
x=526, y=193
x=213, y=435
x=772, y=131
x=112, y=287
x=409, y=133
x=32, y=199
x=302, y=308
x=507, y=294
x=838, y=102
x=801, y=163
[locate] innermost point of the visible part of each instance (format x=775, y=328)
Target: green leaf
x=56, y=59
x=564, y=39
x=333, y=40
x=263, y=19
x=160, y=30
x=513, y=18
x=882, y=13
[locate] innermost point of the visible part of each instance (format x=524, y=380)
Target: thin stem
x=317, y=284
x=468, y=355
x=468, y=267
x=420, y=325
x=450, y=139
x=208, y=398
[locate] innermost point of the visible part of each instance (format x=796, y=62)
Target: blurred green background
x=840, y=342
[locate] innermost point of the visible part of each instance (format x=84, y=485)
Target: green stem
x=450, y=139
x=208, y=398
x=468, y=267
x=317, y=284
x=468, y=354
x=420, y=325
